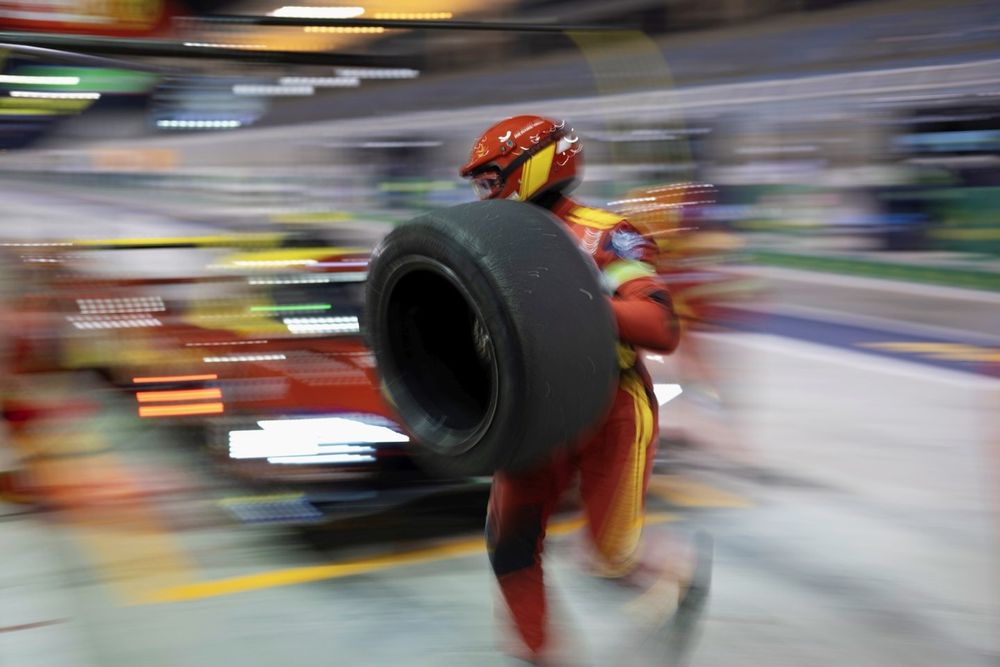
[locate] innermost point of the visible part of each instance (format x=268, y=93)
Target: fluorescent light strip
x=54, y=96
x=244, y=357
x=301, y=12
x=40, y=80
x=378, y=72
x=251, y=90
x=321, y=81
x=349, y=30
x=198, y=124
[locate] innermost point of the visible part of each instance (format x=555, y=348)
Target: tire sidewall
x=437, y=447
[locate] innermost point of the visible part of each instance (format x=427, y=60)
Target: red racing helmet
x=523, y=157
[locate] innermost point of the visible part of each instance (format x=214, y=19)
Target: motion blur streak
x=175, y=378
x=181, y=410
x=177, y=395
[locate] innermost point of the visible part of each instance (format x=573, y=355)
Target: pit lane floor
x=853, y=499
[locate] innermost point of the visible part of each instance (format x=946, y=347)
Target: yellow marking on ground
x=943, y=351
x=182, y=241
x=310, y=573
x=684, y=492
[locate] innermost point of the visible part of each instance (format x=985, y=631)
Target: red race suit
x=615, y=461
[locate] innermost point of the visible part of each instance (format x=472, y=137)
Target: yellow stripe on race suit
x=536, y=172
x=618, y=540
x=620, y=272
x=627, y=355
x=593, y=217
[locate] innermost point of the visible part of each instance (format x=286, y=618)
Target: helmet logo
x=503, y=139
x=480, y=150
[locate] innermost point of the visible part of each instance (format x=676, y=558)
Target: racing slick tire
x=492, y=335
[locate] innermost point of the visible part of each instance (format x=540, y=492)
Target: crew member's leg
x=614, y=474
x=519, y=509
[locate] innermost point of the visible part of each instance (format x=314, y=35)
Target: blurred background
x=196, y=463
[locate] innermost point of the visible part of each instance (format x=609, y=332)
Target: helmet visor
x=488, y=183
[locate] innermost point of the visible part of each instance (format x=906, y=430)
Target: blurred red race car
x=260, y=358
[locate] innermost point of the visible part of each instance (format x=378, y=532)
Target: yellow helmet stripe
x=536, y=172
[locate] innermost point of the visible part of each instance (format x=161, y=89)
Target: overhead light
x=40, y=80
x=379, y=72
x=414, y=16
x=300, y=12
x=54, y=96
x=346, y=29
x=321, y=81
x=254, y=90
x=198, y=124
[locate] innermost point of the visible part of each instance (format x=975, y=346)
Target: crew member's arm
x=642, y=306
